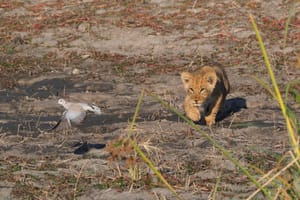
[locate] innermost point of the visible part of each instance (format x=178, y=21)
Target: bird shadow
x=85, y=147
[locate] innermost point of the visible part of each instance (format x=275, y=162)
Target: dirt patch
x=106, y=52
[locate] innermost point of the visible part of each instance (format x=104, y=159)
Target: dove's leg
x=69, y=122
x=66, y=118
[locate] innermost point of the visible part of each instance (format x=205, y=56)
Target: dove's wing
x=75, y=113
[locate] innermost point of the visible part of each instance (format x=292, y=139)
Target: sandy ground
x=106, y=52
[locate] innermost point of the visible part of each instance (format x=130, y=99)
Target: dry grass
x=127, y=170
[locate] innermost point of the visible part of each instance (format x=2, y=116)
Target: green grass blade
x=291, y=132
x=153, y=168
x=215, y=190
x=136, y=112
x=291, y=90
x=265, y=85
x=218, y=146
x=288, y=22
x=140, y=152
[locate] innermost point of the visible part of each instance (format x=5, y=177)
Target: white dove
x=76, y=112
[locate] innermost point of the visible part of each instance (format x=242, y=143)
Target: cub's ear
x=186, y=77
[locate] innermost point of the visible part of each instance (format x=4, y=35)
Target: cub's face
x=198, y=86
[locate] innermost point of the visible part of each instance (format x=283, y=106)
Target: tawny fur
x=206, y=90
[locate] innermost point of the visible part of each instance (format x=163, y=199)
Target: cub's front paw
x=210, y=120
x=195, y=116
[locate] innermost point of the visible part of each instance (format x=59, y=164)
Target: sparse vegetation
x=118, y=49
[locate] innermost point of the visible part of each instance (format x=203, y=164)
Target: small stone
x=85, y=56
x=83, y=27
x=76, y=71
x=100, y=11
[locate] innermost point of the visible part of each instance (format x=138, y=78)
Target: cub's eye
x=191, y=90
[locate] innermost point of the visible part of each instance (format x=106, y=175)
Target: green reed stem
x=140, y=152
x=291, y=132
x=218, y=146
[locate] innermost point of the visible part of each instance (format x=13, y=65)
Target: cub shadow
x=231, y=106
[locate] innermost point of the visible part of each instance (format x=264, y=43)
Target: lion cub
x=206, y=90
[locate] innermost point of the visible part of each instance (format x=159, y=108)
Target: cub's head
x=199, y=86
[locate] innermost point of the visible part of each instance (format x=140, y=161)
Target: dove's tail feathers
x=52, y=128
x=56, y=125
x=96, y=110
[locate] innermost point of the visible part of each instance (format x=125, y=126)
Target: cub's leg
x=211, y=118
x=191, y=111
